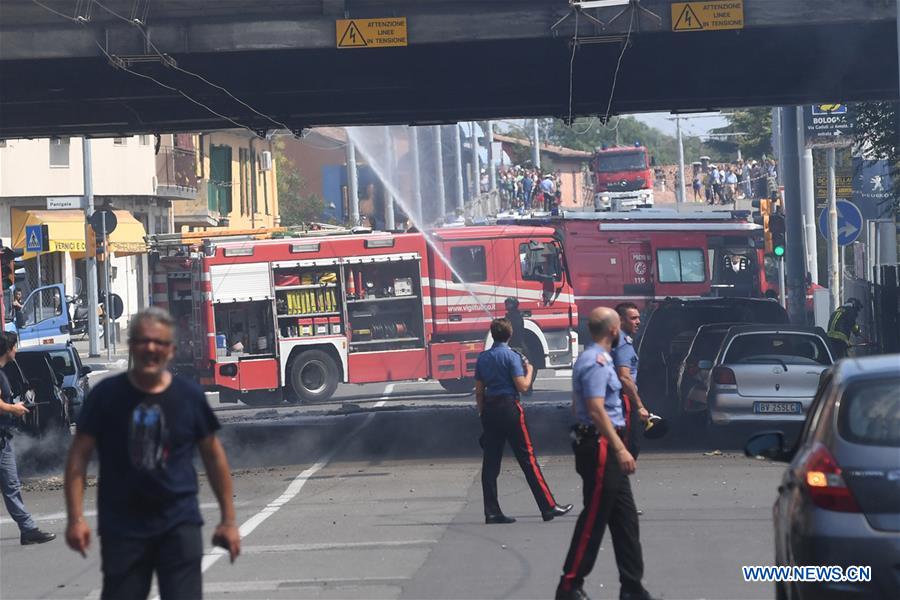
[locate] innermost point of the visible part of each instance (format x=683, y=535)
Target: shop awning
x=65, y=230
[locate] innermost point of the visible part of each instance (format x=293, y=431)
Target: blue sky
x=692, y=124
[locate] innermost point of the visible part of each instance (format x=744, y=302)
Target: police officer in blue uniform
x=604, y=462
x=501, y=375
x=625, y=360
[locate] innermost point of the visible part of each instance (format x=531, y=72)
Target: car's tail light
x=823, y=480
x=724, y=376
x=692, y=369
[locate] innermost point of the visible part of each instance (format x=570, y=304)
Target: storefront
x=63, y=261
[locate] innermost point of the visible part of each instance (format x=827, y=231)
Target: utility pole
x=439, y=171
x=492, y=170
x=536, y=146
x=90, y=258
x=352, y=183
x=458, y=167
x=682, y=194
x=809, y=201
x=416, y=175
x=391, y=166
x=834, y=273
x=790, y=167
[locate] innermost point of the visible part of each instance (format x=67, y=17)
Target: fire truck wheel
x=466, y=385
x=314, y=376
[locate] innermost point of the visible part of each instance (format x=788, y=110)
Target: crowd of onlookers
x=526, y=188
x=725, y=183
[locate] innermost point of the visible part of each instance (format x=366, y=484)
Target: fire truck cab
x=622, y=178
x=295, y=314
x=644, y=255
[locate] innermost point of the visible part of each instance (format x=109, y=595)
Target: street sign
x=708, y=16
x=34, y=238
x=64, y=202
x=843, y=180
x=873, y=188
x=371, y=33
x=828, y=123
x=849, y=221
x=97, y=223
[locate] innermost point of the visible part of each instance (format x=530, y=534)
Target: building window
x=219, y=191
x=469, y=262
x=59, y=153
x=681, y=266
x=120, y=141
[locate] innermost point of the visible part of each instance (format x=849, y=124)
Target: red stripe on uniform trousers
x=593, y=510
x=531, y=458
x=626, y=405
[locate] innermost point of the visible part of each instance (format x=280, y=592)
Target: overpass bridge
x=71, y=67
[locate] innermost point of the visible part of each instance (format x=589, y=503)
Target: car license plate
x=783, y=408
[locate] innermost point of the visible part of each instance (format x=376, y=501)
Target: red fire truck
x=622, y=178
x=641, y=256
x=292, y=314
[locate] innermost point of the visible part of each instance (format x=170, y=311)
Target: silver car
x=693, y=381
x=839, y=499
x=766, y=373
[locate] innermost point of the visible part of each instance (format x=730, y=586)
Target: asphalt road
x=377, y=495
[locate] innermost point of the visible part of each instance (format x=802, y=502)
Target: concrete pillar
x=796, y=261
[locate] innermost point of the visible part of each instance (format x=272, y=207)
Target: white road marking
x=247, y=527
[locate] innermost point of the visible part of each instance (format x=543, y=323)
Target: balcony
x=176, y=177
x=176, y=180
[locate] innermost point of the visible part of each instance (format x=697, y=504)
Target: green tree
x=878, y=138
x=296, y=205
x=755, y=127
x=588, y=134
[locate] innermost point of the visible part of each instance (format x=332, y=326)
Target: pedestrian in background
x=604, y=462
x=10, y=416
x=145, y=425
x=500, y=376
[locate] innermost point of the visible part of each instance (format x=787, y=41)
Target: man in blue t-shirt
x=145, y=425
x=501, y=374
x=603, y=460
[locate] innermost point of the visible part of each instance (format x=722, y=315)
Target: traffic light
x=776, y=234
x=10, y=269
x=761, y=217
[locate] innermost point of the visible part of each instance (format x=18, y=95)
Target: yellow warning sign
x=708, y=16
x=371, y=33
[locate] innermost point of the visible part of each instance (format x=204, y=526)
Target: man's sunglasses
x=148, y=341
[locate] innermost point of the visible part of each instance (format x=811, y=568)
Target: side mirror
x=704, y=364
x=768, y=444
x=85, y=370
